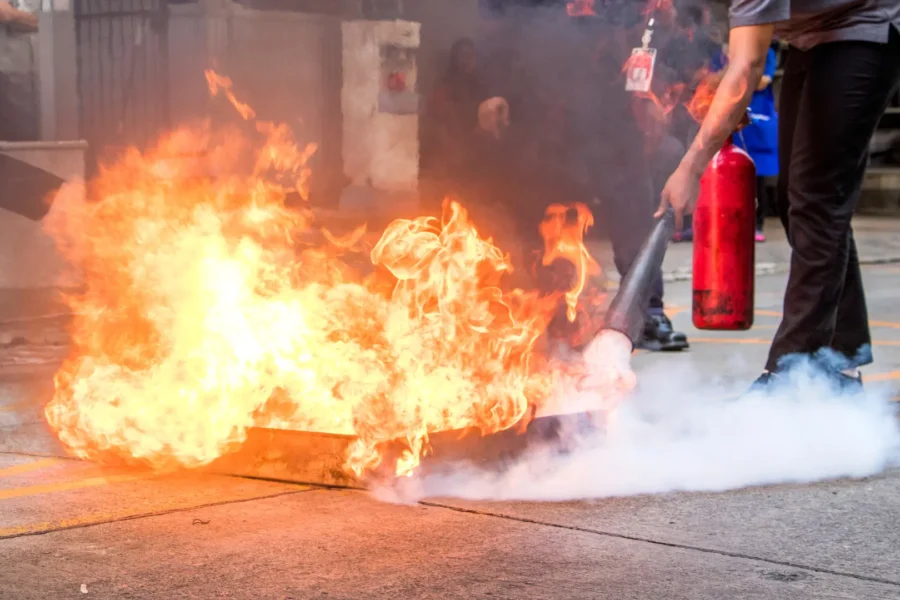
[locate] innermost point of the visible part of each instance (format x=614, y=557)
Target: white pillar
x=380, y=112
x=58, y=71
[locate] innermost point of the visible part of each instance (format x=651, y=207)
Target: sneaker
x=770, y=379
x=765, y=382
x=660, y=337
x=850, y=383
x=760, y=236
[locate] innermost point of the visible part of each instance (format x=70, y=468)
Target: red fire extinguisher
x=724, y=244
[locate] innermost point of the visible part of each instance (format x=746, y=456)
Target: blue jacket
x=760, y=139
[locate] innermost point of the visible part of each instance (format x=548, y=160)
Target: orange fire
x=703, y=96
x=217, y=82
x=581, y=8
x=207, y=309
x=563, y=230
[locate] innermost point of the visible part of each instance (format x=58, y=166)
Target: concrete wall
x=37, y=98
x=285, y=64
x=381, y=148
x=58, y=75
x=28, y=255
x=19, y=107
x=192, y=49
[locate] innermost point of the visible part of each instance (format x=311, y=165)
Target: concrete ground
x=70, y=529
x=876, y=240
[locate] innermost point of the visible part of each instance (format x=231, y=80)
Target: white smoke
x=681, y=430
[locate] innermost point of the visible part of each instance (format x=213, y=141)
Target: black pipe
x=27, y=190
x=626, y=313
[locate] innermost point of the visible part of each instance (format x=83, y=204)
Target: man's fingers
x=663, y=205
x=679, y=219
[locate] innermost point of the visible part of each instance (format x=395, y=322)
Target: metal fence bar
x=122, y=62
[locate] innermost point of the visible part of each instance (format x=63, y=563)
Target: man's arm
x=769, y=73
x=748, y=47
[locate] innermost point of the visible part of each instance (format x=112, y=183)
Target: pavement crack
x=634, y=538
x=149, y=514
x=36, y=454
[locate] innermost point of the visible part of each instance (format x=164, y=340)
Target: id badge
x=639, y=74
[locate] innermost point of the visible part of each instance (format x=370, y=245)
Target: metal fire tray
x=318, y=458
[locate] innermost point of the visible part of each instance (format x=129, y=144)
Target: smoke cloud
x=685, y=432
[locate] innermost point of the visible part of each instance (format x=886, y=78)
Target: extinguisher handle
x=746, y=121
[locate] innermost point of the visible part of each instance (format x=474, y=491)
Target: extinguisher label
x=639, y=70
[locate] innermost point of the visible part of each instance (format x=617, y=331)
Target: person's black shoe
x=660, y=337
x=765, y=382
x=768, y=381
x=850, y=384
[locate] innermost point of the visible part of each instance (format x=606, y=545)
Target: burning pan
x=317, y=458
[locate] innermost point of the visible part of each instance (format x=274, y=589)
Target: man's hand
x=493, y=116
x=17, y=18
x=680, y=193
x=7, y=12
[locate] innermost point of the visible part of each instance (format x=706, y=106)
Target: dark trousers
x=832, y=98
x=626, y=206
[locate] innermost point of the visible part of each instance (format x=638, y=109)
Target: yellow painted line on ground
x=675, y=309
x=885, y=267
x=16, y=406
x=29, y=466
x=65, y=486
x=882, y=376
x=760, y=341
x=728, y=340
x=886, y=324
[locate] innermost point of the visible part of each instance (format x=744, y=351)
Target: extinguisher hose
x=627, y=311
x=740, y=133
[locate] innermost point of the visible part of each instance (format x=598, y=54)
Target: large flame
x=210, y=308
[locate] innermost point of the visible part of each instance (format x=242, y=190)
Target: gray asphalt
x=72, y=530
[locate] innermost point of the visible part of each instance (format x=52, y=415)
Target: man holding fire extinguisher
x=575, y=57
x=842, y=67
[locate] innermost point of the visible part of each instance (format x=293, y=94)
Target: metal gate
x=122, y=60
